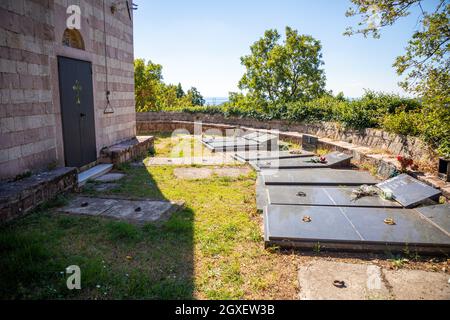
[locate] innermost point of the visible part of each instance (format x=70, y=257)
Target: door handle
x=82, y=115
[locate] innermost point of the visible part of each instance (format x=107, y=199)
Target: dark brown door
x=77, y=110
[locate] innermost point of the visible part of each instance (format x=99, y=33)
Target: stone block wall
x=372, y=138
x=31, y=33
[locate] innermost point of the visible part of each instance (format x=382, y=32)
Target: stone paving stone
x=418, y=285
x=324, y=196
x=361, y=281
x=318, y=177
x=408, y=191
x=110, y=177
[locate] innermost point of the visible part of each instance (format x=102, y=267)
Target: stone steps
x=93, y=173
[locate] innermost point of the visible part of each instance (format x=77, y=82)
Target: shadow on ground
x=118, y=260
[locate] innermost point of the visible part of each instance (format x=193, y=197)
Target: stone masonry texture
x=31, y=34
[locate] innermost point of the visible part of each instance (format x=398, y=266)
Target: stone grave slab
x=261, y=194
x=138, y=211
x=88, y=206
x=236, y=145
x=325, y=177
x=328, y=224
x=352, y=228
x=361, y=281
x=324, y=196
x=408, y=191
x=264, y=138
x=439, y=214
x=253, y=135
x=270, y=155
x=334, y=160
x=418, y=284
x=221, y=139
x=410, y=228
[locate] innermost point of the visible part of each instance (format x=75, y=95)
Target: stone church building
x=67, y=82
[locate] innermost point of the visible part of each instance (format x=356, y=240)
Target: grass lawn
x=213, y=249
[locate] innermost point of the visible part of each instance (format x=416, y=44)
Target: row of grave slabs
x=311, y=202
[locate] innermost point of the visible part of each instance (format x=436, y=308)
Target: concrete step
x=93, y=173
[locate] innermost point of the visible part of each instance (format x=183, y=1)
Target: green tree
x=288, y=71
x=195, y=97
x=426, y=61
x=180, y=91
x=147, y=82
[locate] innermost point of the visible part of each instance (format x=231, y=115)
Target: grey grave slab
x=129, y=210
x=261, y=194
x=334, y=160
x=327, y=224
x=410, y=227
x=88, y=206
x=324, y=196
x=147, y=211
x=264, y=138
x=439, y=214
x=408, y=191
x=325, y=177
x=240, y=144
x=270, y=155
x=219, y=139
x=253, y=135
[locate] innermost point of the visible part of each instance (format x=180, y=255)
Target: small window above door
x=72, y=38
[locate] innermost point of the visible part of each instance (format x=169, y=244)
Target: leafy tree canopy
x=287, y=71
x=152, y=94
x=426, y=62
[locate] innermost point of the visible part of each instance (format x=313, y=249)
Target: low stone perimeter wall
x=20, y=197
x=372, y=138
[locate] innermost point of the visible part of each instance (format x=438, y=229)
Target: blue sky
x=199, y=42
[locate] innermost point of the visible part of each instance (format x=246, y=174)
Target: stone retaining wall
x=20, y=197
x=372, y=138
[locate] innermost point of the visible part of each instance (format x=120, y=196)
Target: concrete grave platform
x=137, y=211
x=408, y=191
x=324, y=196
x=334, y=160
x=369, y=282
x=360, y=281
x=270, y=155
x=324, y=177
x=352, y=228
x=418, y=284
x=204, y=173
